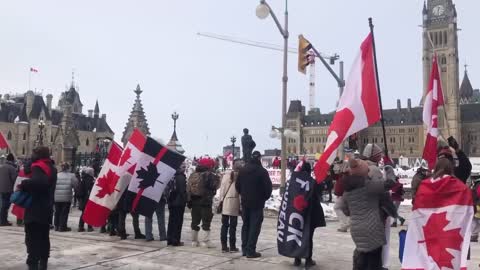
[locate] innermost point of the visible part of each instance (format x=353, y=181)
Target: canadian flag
x=107, y=190
x=438, y=235
x=433, y=100
x=3, y=142
x=156, y=166
x=358, y=108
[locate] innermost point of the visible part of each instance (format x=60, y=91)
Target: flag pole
x=370, y=22
x=29, y=79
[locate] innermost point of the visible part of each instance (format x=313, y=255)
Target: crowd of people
x=367, y=202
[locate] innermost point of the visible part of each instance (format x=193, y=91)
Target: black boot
x=139, y=235
x=225, y=248
x=309, y=263
x=297, y=262
x=42, y=265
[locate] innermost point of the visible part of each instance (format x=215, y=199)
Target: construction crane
x=269, y=46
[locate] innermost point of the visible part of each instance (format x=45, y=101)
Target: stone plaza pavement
x=73, y=250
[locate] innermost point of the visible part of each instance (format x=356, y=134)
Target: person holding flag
x=8, y=176
x=439, y=233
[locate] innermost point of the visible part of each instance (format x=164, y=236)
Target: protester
x=85, y=187
x=362, y=203
x=255, y=187
x=397, y=197
x=177, y=199
x=160, y=213
x=123, y=209
x=339, y=172
x=201, y=189
x=463, y=168
x=41, y=187
x=230, y=208
x=276, y=163
x=8, y=176
x=373, y=154
x=63, y=197
x=420, y=175
x=316, y=212
x=328, y=184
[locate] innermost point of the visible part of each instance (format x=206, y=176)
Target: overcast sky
x=218, y=88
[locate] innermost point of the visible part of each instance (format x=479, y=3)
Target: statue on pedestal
x=247, y=145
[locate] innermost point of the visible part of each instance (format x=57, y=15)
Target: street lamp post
x=41, y=126
x=263, y=10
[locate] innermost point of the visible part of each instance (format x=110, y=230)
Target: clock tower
x=440, y=37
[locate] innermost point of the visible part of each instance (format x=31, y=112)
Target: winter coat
x=85, y=185
x=231, y=203
x=178, y=195
x=376, y=175
x=64, y=187
x=464, y=168
x=210, y=183
x=8, y=175
x=397, y=192
x=254, y=185
x=318, y=217
x=41, y=187
x=362, y=200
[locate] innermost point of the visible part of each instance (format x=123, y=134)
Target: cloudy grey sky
x=217, y=87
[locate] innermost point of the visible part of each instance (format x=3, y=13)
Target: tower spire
x=137, y=118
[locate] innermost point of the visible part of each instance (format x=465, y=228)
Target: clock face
x=438, y=10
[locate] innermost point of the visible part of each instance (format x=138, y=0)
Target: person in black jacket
x=463, y=168
x=41, y=187
x=177, y=200
x=86, y=186
x=314, y=209
x=255, y=187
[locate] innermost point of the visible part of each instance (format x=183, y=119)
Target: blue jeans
x=160, y=212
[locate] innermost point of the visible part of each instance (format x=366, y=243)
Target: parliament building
x=404, y=126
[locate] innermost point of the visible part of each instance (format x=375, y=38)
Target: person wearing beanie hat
x=202, y=185
x=255, y=187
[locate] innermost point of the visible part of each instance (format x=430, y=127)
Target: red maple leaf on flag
x=107, y=183
x=126, y=155
x=439, y=240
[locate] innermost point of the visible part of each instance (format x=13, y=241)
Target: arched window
x=23, y=150
x=9, y=135
x=87, y=142
x=24, y=136
x=51, y=138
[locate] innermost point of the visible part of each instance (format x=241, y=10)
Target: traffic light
x=303, y=58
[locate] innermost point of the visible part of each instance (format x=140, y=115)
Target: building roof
x=137, y=118
x=16, y=107
x=466, y=89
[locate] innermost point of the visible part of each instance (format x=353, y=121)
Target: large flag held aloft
x=439, y=231
x=433, y=100
x=358, y=107
x=3, y=142
x=106, y=192
x=155, y=167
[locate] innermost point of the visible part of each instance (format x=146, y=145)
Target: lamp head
x=262, y=10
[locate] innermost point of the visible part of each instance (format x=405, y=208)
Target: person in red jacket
x=397, y=193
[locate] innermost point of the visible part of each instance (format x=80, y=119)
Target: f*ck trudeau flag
x=155, y=167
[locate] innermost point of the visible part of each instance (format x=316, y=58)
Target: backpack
x=197, y=184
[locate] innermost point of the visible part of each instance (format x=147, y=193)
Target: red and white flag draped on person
x=358, y=108
x=439, y=231
x=433, y=100
x=156, y=166
x=107, y=190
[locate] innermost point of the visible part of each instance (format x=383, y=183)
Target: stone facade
x=67, y=131
x=405, y=133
